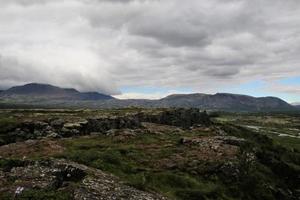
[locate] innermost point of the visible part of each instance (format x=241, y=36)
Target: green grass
x=7, y=164
x=293, y=144
x=6, y=124
x=44, y=194
x=134, y=161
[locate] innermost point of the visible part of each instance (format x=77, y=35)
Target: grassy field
x=284, y=128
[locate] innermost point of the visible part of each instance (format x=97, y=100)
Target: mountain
x=296, y=105
x=41, y=95
x=226, y=101
x=50, y=92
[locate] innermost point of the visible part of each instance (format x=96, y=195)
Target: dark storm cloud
x=107, y=44
x=222, y=72
x=171, y=33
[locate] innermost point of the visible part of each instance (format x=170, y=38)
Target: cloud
x=107, y=45
x=150, y=95
x=284, y=88
x=136, y=95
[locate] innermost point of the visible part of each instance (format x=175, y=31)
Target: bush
x=7, y=124
x=44, y=194
x=8, y=164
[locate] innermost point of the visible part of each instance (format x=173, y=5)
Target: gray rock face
x=58, y=128
x=57, y=124
x=32, y=130
x=80, y=181
x=180, y=117
x=105, y=124
x=74, y=129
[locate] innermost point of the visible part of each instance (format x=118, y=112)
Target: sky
x=152, y=48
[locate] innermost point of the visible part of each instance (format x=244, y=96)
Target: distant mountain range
x=51, y=96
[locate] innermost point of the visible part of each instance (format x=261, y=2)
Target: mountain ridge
x=45, y=94
x=227, y=101
x=40, y=90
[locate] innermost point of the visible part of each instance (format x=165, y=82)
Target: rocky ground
x=78, y=181
x=139, y=154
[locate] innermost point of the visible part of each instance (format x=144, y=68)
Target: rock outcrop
x=59, y=128
x=180, y=117
x=104, y=124
x=79, y=181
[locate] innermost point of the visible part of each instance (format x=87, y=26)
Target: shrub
x=44, y=194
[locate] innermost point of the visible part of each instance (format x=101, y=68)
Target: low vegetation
x=155, y=158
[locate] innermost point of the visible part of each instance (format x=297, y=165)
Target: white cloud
x=283, y=88
x=105, y=45
x=135, y=95
x=155, y=95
